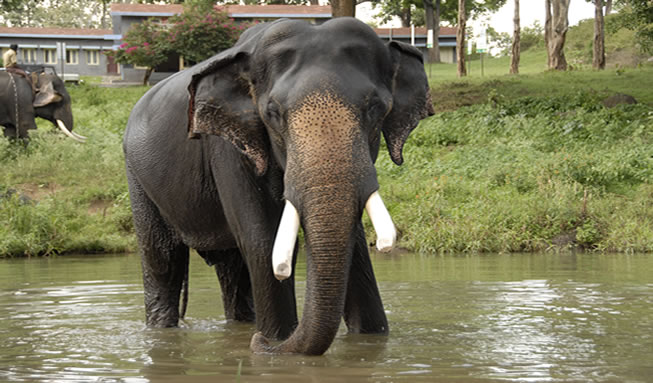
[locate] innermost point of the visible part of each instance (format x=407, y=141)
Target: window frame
x=70, y=54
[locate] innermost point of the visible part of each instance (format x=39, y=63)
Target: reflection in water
x=545, y=317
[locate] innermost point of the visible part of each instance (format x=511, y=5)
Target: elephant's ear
x=411, y=97
x=46, y=95
x=221, y=101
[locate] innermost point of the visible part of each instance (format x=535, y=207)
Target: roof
x=55, y=31
x=70, y=33
x=313, y=11
x=405, y=32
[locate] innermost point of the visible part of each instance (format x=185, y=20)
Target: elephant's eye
x=376, y=110
x=273, y=113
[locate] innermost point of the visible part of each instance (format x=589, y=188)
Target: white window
x=72, y=57
x=92, y=57
x=50, y=56
x=28, y=54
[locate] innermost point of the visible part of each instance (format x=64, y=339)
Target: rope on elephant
x=13, y=82
x=184, y=293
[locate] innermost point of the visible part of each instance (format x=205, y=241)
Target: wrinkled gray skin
x=18, y=94
x=293, y=111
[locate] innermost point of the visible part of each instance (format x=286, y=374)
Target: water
x=486, y=318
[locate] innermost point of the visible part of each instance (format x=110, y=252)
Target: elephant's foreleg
x=236, y=288
x=253, y=213
x=164, y=260
x=364, y=312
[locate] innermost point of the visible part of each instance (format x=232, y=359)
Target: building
x=418, y=37
x=85, y=47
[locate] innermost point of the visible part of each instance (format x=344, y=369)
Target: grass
x=78, y=200
x=451, y=92
x=511, y=163
x=529, y=174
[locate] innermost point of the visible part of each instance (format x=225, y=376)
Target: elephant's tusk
x=386, y=235
x=67, y=132
x=78, y=136
x=284, y=243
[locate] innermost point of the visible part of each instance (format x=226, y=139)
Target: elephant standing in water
x=284, y=131
x=19, y=106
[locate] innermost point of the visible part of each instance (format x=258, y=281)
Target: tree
x=499, y=40
x=598, y=51
x=460, y=39
x=201, y=31
x=20, y=13
x=531, y=36
x=432, y=16
x=557, y=32
x=343, y=8
x=395, y=8
x=56, y=13
x=547, y=30
x=636, y=15
x=514, y=62
x=144, y=44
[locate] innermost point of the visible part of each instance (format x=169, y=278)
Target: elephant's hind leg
x=234, y=280
x=164, y=259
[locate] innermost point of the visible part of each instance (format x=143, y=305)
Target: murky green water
x=560, y=318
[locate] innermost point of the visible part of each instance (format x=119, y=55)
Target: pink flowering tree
x=201, y=31
x=145, y=44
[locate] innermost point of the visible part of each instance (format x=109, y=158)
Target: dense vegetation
x=524, y=163
x=527, y=174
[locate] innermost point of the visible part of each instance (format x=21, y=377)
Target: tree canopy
x=636, y=15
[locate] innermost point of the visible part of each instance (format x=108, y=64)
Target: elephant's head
x=315, y=100
x=52, y=102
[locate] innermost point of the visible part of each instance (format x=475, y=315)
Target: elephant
x=19, y=106
x=231, y=156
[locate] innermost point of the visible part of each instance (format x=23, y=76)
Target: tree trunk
x=514, y=63
x=460, y=39
x=314, y=2
x=436, y=32
x=560, y=27
x=608, y=7
x=598, y=58
x=148, y=73
x=432, y=12
x=405, y=17
x=547, y=31
x=103, y=20
x=343, y=8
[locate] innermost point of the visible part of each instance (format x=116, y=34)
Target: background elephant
x=292, y=114
x=19, y=106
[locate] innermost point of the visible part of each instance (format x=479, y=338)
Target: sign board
x=481, y=43
x=429, y=39
x=478, y=50
x=469, y=47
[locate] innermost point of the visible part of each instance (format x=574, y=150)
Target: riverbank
x=525, y=163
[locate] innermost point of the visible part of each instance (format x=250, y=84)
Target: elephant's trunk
x=329, y=175
x=329, y=218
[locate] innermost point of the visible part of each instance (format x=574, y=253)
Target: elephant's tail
x=184, y=294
